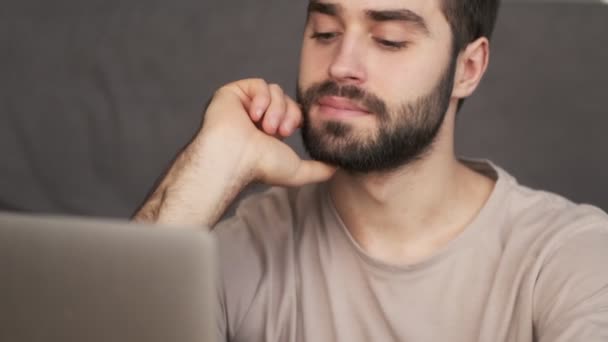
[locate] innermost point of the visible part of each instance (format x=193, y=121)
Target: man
x=385, y=235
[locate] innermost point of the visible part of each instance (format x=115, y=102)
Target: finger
x=311, y=171
x=292, y=119
x=276, y=110
x=261, y=101
x=256, y=92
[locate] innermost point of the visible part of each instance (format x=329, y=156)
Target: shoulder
x=551, y=218
x=524, y=215
x=539, y=220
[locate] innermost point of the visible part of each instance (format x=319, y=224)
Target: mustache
x=371, y=102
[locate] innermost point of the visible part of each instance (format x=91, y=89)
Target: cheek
x=314, y=63
x=406, y=77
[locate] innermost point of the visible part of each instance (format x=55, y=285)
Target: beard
x=405, y=133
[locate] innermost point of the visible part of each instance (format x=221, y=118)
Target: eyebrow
x=403, y=15
x=315, y=6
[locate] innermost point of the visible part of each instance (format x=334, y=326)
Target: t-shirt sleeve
x=571, y=294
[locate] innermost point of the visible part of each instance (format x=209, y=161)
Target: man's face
x=375, y=81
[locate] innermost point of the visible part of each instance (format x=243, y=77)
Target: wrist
x=219, y=153
x=207, y=177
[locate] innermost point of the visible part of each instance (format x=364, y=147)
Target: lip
x=341, y=103
x=340, y=108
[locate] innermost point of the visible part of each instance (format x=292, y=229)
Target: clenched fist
x=240, y=141
x=249, y=117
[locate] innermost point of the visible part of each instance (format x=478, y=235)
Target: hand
x=249, y=118
x=238, y=143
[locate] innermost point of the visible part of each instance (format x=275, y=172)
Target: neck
x=406, y=215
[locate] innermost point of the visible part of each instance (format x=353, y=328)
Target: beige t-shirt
x=531, y=267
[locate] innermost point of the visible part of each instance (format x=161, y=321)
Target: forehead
x=424, y=8
x=425, y=16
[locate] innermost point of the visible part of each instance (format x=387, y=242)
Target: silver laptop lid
x=67, y=279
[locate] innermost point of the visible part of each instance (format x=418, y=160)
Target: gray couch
x=97, y=96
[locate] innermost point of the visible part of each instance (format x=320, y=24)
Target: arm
x=238, y=143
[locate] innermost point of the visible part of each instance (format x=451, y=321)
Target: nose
x=347, y=66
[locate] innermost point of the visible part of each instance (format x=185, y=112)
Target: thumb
x=311, y=171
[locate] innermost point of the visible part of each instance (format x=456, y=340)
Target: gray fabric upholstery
x=97, y=96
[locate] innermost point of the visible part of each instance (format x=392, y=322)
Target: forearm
x=198, y=187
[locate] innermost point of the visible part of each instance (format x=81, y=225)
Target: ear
x=472, y=64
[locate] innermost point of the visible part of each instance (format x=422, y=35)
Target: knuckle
x=294, y=112
x=258, y=81
x=259, y=85
x=275, y=88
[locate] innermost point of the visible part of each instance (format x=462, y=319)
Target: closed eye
x=327, y=37
x=393, y=45
x=324, y=37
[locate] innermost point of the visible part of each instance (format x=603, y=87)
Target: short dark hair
x=469, y=20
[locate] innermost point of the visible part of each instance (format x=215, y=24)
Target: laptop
x=73, y=279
